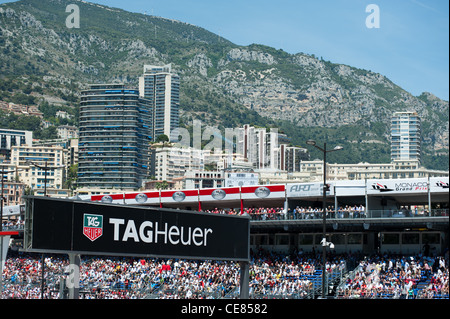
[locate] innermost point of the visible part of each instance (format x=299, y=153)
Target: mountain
x=222, y=83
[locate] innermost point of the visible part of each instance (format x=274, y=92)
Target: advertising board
x=99, y=228
x=397, y=186
x=307, y=190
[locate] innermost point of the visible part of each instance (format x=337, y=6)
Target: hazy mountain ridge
x=222, y=83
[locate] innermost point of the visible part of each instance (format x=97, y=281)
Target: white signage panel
x=397, y=186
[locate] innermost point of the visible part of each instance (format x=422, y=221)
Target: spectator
x=271, y=274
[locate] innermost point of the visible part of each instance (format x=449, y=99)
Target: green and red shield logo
x=92, y=226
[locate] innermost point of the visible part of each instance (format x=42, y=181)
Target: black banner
x=111, y=229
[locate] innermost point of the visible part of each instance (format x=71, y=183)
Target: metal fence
x=370, y=214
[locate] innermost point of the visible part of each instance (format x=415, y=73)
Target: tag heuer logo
x=92, y=226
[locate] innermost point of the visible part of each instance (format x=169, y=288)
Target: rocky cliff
x=222, y=84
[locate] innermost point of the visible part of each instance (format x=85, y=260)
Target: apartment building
x=161, y=87
x=10, y=138
x=12, y=193
x=70, y=147
x=116, y=126
x=30, y=162
x=290, y=157
x=173, y=162
x=405, y=136
x=269, y=149
x=395, y=169
x=259, y=146
x=203, y=179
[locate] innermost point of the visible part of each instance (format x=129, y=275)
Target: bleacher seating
x=271, y=276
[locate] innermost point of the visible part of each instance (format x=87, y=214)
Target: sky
x=409, y=44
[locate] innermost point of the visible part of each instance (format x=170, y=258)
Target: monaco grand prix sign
x=109, y=229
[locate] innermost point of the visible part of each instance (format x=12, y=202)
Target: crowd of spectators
x=313, y=212
x=265, y=213
x=275, y=275
x=129, y=278
x=303, y=212
x=119, y=278
x=279, y=213
x=357, y=211
x=223, y=211
x=13, y=224
x=395, y=277
x=272, y=275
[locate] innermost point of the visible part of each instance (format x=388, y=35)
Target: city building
x=20, y=109
x=161, y=87
x=63, y=115
x=176, y=183
x=258, y=146
x=84, y=191
x=231, y=161
x=11, y=193
x=28, y=159
x=269, y=150
x=217, y=179
x=10, y=138
x=114, y=134
x=11, y=189
x=233, y=179
x=290, y=158
x=313, y=171
x=70, y=147
x=203, y=179
x=405, y=136
x=67, y=131
x=173, y=162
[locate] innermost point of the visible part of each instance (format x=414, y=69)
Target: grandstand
x=398, y=215
x=371, y=223
x=273, y=276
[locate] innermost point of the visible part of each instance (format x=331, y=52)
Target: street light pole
x=45, y=169
x=324, y=209
x=324, y=222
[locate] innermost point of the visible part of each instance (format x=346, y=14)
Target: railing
x=386, y=213
x=350, y=275
x=13, y=227
x=371, y=214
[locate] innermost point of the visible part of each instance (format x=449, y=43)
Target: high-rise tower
x=405, y=136
x=161, y=87
x=115, y=131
